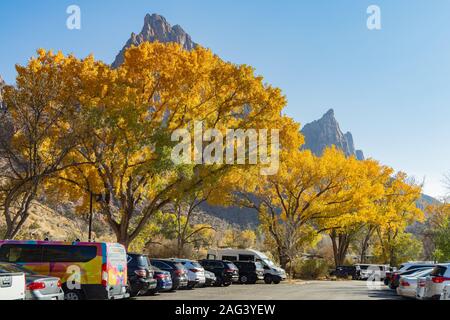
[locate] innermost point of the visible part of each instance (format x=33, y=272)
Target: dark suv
x=226, y=272
x=177, y=271
x=140, y=275
x=249, y=271
x=347, y=271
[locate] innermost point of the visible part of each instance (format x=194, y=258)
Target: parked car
x=226, y=272
x=272, y=272
x=164, y=281
x=250, y=272
x=374, y=271
x=395, y=278
x=196, y=273
x=177, y=271
x=211, y=279
x=140, y=275
x=88, y=270
x=436, y=281
x=347, y=271
x=389, y=275
x=39, y=287
x=446, y=293
x=408, y=283
x=12, y=283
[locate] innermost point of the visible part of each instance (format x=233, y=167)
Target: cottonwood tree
x=40, y=110
x=397, y=210
x=131, y=112
x=304, y=192
x=364, y=188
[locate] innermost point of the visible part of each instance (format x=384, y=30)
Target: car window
x=196, y=264
x=138, y=261
x=161, y=265
x=230, y=258
x=21, y=253
x=438, y=271
x=216, y=264
x=246, y=257
x=231, y=266
x=61, y=253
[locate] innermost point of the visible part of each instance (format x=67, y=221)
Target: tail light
x=439, y=279
x=229, y=270
x=59, y=284
x=162, y=276
x=104, y=275
x=180, y=272
x=36, y=286
x=141, y=273
x=404, y=283
x=195, y=270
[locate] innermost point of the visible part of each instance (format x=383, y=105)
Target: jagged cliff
x=156, y=28
x=326, y=132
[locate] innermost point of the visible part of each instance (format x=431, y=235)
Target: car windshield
x=422, y=273
x=12, y=268
x=268, y=262
x=259, y=265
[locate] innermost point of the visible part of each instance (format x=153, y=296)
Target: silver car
x=408, y=283
x=39, y=287
x=436, y=281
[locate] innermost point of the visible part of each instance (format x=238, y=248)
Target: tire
x=244, y=279
x=268, y=279
x=227, y=284
x=74, y=295
x=276, y=281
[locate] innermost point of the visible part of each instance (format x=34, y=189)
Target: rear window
x=116, y=255
x=161, y=265
x=196, y=264
x=10, y=268
x=438, y=271
x=138, y=261
x=231, y=266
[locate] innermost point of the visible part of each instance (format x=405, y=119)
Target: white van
x=12, y=283
x=272, y=273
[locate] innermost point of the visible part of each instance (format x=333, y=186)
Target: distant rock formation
x=156, y=28
x=326, y=132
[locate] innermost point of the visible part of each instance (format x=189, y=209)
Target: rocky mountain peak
x=156, y=28
x=326, y=132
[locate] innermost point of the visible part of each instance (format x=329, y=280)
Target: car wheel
x=227, y=284
x=276, y=281
x=268, y=279
x=73, y=295
x=244, y=279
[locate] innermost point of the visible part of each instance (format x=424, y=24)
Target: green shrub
x=310, y=269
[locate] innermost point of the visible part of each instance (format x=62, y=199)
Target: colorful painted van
x=88, y=270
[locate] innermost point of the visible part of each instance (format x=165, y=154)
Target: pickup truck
x=12, y=283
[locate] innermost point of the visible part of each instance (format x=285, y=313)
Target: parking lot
x=311, y=290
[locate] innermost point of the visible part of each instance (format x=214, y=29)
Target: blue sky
x=390, y=88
